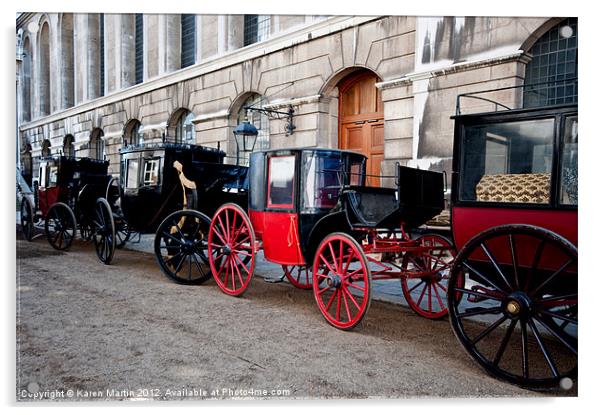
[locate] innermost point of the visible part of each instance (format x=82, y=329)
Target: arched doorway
x=361, y=120
x=97, y=145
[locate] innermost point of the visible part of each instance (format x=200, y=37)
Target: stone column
x=126, y=50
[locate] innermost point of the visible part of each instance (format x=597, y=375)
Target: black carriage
x=514, y=216
x=168, y=190
x=309, y=209
x=70, y=195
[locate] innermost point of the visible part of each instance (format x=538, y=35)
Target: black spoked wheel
x=181, y=247
x=60, y=226
x=122, y=231
x=512, y=302
x=104, y=231
x=27, y=219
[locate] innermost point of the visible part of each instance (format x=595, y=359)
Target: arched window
x=554, y=61
x=26, y=94
x=97, y=144
x=132, y=133
x=185, y=128
x=67, y=68
x=68, y=146
x=139, y=48
x=46, y=148
x=188, y=34
x=259, y=120
x=44, y=70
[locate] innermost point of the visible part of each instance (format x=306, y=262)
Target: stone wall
x=422, y=63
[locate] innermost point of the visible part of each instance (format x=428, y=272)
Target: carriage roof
x=192, y=148
x=77, y=164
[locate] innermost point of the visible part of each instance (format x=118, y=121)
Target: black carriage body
x=77, y=182
x=325, y=192
x=151, y=188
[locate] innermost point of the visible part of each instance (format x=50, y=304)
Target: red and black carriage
x=71, y=194
x=512, y=293
x=309, y=209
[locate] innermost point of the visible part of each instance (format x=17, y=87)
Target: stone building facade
x=383, y=85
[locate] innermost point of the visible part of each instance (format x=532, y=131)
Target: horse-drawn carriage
x=70, y=195
x=159, y=184
x=310, y=208
x=514, y=220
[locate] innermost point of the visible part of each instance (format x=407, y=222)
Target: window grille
x=139, y=48
x=256, y=28
x=554, y=62
x=188, y=46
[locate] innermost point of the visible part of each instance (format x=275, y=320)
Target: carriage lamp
x=245, y=135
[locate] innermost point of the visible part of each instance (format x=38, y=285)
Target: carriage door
x=361, y=121
x=281, y=221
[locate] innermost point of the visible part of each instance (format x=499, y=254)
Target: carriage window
x=323, y=175
x=151, y=172
x=356, y=176
x=281, y=172
x=508, y=162
x=131, y=181
x=43, y=175
x=53, y=176
x=568, y=170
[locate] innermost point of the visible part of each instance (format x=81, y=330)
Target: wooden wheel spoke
x=345, y=291
x=346, y=305
x=488, y=330
x=496, y=265
x=535, y=263
x=477, y=293
x=556, y=334
x=504, y=343
x=514, y=259
x=551, y=277
x=422, y=294
x=480, y=275
x=416, y=286
x=334, y=258
x=524, y=348
x=327, y=264
x=439, y=300
x=543, y=348
x=479, y=311
x=558, y=316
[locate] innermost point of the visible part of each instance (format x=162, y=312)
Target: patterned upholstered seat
x=514, y=188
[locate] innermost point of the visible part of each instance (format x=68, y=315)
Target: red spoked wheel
x=426, y=276
x=341, y=281
x=299, y=276
x=231, y=246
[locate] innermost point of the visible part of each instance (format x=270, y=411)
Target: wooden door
x=361, y=121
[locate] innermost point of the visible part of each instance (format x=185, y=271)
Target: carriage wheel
x=181, y=247
x=122, y=232
x=60, y=226
x=513, y=304
x=341, y=281
x=27, y=219
x=299, y=276
x=426, y=294
x=104, y=231
x=232, y=249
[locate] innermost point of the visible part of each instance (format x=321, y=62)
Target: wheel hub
x=227, y=249
x=334, y=281
x=518, y=304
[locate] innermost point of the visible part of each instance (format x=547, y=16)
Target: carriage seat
x=368, y=206
x=514, y=188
